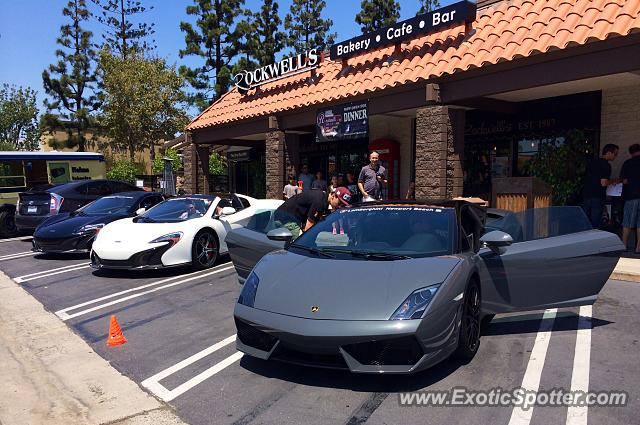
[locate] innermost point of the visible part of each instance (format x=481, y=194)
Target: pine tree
x=71, y=81
x=216, y=40
x=427, y=6
x=306, y=29
x=376, y=14
x=122, y=36
x=268, y=38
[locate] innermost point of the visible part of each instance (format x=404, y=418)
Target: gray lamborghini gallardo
x=397, y=288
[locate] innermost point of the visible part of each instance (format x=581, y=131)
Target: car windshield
x=177, y=210
x=381, y=233
x=107, y=205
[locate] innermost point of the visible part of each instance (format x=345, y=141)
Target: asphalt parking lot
x=180, y=347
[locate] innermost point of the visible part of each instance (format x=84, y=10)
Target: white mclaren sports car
x=187, y=230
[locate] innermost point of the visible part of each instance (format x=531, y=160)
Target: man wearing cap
x=303, y=210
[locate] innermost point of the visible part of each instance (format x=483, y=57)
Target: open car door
x=247, y=245
x=556, y=260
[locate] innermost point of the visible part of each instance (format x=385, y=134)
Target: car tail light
x=56, y=203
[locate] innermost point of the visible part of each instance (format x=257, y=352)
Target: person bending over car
x=302, y=211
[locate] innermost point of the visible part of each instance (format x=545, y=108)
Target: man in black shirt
x=597, y=178
x=630, y=175
x=302, y=211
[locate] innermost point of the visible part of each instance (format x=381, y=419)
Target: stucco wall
x=620, y=121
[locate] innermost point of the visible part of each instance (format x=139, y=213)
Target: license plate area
x=32, y=210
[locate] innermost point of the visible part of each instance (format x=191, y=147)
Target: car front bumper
x=147, y=259
x=72, y=244
x=361, y=346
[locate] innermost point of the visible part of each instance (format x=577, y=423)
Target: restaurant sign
x=463, y=11
x=246, y=80
x=339, y=122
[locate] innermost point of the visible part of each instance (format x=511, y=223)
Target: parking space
x=180, y=333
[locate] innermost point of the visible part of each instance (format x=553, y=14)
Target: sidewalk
x=628, y=268
x=51, y=376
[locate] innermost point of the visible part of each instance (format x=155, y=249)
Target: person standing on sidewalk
x=290, y=189
x=630, y=176
x=597, y=178
x=372, y=178
x=305, y=177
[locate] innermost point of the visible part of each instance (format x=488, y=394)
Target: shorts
x=631, y=217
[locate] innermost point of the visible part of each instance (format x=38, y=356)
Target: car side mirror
x=140, y=210
x=496, y=240
x=280, y=234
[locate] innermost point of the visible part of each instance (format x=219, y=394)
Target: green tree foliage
x=122, y=35
x=176, y=164
x=562, y=166
x=142, y=101
x=124, y=170
x=376, y=14
x=268, y=39
x=305, y=27
x=19, y=129
x=217, y=164
x=214, y=39
x=71, y=81
x=427, y=6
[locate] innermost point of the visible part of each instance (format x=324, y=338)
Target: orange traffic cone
x=115, y=333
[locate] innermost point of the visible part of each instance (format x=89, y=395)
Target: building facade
x=449, y=107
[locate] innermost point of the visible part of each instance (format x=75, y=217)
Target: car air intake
x=253, y=337
x=396, y=351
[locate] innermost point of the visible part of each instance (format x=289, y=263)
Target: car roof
x=132, y=194
x=442, y=203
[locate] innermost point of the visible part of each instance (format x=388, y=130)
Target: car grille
x=396, y=351
x=289, y=355
x=253, y=337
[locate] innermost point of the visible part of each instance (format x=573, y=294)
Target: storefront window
x=528, y=147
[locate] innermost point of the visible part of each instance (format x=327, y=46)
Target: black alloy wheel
x=205, y=250
x=469, y=335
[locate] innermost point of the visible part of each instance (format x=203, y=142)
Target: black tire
x=8, y=224
x=469, y=333
x=204, y=250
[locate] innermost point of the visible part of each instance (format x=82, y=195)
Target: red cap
x=343, y=194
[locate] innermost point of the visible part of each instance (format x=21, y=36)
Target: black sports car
x=75, y=231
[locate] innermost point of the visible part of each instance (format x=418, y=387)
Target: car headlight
x=89, y=228
x=170, y=237
x=415, y=304
x=248, y=294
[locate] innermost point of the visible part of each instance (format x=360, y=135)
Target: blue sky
x=28, y=31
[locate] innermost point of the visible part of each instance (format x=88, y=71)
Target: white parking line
x=577, y=415
x=153, y=383
x=64, y=313
x=20, y=238
x=17, y=255
x=50, y=272
x=531, y=380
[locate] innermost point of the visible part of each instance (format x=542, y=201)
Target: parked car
x=399, y=288
x=34, y=206
x=186, y=230
x=75, y=231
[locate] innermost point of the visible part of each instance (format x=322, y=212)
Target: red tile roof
x=504, y=32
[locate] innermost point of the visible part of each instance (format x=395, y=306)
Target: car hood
x=291, y=284
x=127, y=230
x=61, y=225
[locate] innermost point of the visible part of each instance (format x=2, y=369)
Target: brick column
x=292, y=155
x=202, y=154
x=190, y=168
x=439, y=143
x=275, y=163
